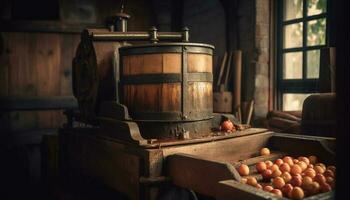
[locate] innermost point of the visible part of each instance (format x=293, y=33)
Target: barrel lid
x=168, y=44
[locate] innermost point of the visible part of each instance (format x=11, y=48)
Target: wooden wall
x=36, y=65
x=36, y=56
x=35, y=72
x=207, y=23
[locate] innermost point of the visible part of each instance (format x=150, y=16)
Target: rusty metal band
x=199, y=77
x=159, y=116
x=151, y=78
x=168, y=116
x=165, y=49
x=184, y=84
x=165, y=78
x=165, y=44
x=188, y=44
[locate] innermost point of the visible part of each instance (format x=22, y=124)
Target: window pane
x=313, y=64
x=316, y=32
x=293, y=101
x=293, y=65
x=293, y=35
x=316, y=7
x=292, y=9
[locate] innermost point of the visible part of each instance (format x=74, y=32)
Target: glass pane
x=316, y=7
x=292, y=9
x=293, y=35
x=293, y=101
x=316, y=32
x=313, y=64
x=293, y=65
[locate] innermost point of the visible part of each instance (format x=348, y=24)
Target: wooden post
x=250, y=111
x=223, y=98
x=327, y=70
x=237, y=60
x=332, y=67
x=222, y=67
x=228, y=69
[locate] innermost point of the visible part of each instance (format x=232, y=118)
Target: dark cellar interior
x=174, y=99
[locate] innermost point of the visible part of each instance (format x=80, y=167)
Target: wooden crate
x=200, y=165
x=230, y=189
x=189, y=171
x=222, y=102
x=136, y=171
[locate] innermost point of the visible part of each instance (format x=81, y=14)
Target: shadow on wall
x=207, y=24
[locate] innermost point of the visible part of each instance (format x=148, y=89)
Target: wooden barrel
x=168, y=83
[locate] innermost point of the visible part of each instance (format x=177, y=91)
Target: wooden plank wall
x=36, y=55
x=35, y=68
x=36, y=64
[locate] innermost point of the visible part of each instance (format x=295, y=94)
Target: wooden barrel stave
x=200, y=102
x=198, y=62
x=153, y=97
x=152, y=64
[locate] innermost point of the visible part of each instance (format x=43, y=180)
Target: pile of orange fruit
x=294, y=178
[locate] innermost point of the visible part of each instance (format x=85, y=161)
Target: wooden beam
x=37, y=103
x=45, y=26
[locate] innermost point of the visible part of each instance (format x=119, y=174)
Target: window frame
x=303, y=85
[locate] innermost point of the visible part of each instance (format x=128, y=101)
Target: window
x=302, y=33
